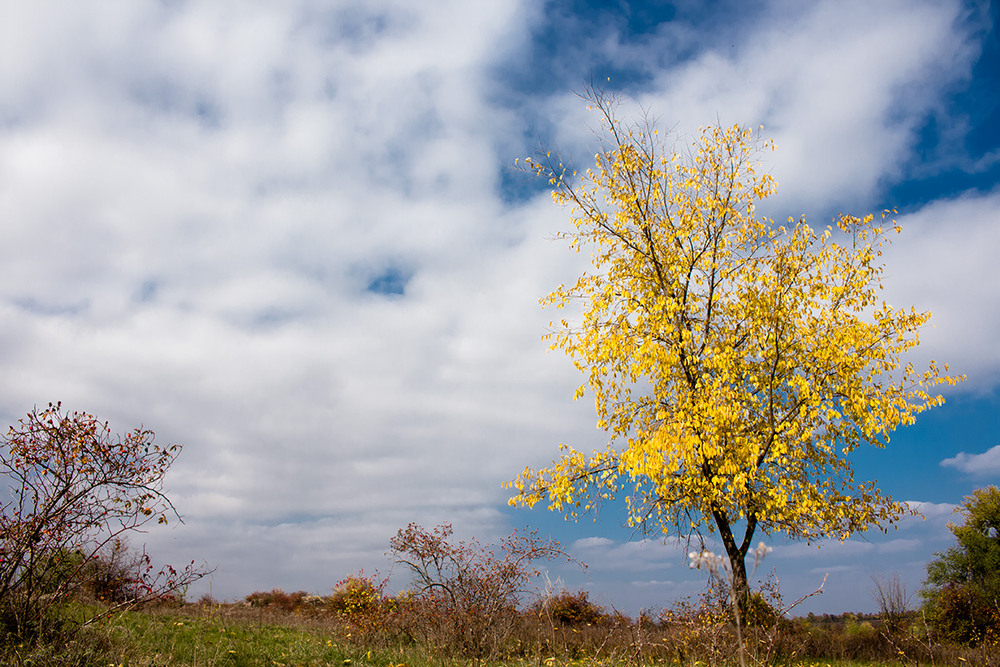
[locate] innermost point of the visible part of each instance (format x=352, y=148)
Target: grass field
x=236, y=634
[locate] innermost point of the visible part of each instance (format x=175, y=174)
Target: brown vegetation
x=568, y=626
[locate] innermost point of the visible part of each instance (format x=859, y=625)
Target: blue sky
x=287, y=236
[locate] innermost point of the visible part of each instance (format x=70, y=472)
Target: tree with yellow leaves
x=734, y=362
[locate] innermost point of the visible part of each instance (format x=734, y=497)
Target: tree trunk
x=737, y=557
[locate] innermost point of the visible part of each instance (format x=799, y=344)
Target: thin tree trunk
x=737, y=557
x=740, y=590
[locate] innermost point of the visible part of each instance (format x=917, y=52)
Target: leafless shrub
x=466, y=594
x=893, y=603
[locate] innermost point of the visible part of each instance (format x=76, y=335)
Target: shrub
x=356, y=596
x=466, y=594
x=371, y=617
x=277, y=598
x=570, y=609
x=893, y=602
x=759, y=612
x=77, y=490
x=961, y=614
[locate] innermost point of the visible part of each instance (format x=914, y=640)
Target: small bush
x=371, y=618
x=466, y=595
x=277, y=598
x=571, y=609
x=356, y=596
x=960, y=614
x=893, y=602
x=760, y=613
x=76, y=488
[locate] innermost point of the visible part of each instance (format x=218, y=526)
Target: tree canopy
x=734, y=362
x=963, y=583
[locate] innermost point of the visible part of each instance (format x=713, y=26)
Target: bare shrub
x=893, y=603
x=466, y=594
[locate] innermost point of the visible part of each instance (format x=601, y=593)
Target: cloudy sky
x=287, y=235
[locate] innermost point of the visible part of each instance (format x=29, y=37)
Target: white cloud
x=593, y=543
x=841, y=87
x=605, y=555
x=824, y=549
x=942, y=261
x=980, y=465
x=844, y=91
x=930, y=511
x=195, y=198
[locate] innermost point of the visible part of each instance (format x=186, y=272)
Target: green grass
x=253, y=638
x=160, y=638
x=209, y=635
x=168, y=639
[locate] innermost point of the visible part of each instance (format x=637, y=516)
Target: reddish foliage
x=77, y=489
x=466, y=594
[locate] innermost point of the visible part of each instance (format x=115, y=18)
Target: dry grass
x=295, y=629
x=217, y=634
